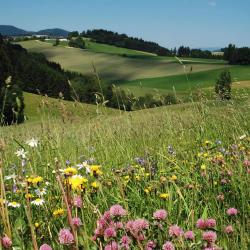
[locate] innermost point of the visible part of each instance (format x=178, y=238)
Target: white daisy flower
x=38, y=202
x=21, y=153
x=79, y=166
x=14, y=204
x=41, y=192
x=32, y=142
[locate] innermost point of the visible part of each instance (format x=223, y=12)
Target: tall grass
x=171, y=141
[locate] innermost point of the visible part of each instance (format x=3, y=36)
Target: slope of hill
x=183, y=83
x=112, y=66
x=9, y=30
x=45, y=108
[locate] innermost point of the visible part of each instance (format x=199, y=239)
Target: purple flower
x=6, y=242
x=150, y=245
x=109, y=232
x=168, y=245
x=229, y=229
x=77, y=201
x=189, y=235
x=232, y=211
x=209, y=236
x=175, y=231
x=45, y=247
x=210, y=223
x=77, y=221
x=160, y=214
x=112, y=246
x=118, y=225
x=206, y=224
x=117, y=211
x=66, y=237
x=125, y=242
x=201, y=224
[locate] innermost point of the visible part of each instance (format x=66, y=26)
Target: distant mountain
x=53, y=32
x=9, y=30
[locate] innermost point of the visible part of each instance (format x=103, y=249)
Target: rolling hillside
x=114, y=66
x=45, y=108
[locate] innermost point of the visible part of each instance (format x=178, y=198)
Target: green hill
x=39, y=108
x=113, y=66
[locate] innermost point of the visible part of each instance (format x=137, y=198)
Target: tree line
x=124, y=41
x=236, y=55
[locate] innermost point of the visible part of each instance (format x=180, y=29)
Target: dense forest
x=194, y=53
x=33, y=73
x=236, y=55
x=122, y=40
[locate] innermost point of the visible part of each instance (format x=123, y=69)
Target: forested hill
x=122, y=40
x=32, y=72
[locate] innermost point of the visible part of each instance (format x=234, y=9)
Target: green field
x=185, y=82
x=192, y=177
x=40, y=107
x=115, y=67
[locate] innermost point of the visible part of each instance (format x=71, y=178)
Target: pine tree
x=223, y=85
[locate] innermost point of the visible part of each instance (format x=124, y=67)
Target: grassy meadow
x=192, y=160
x=79, y=176
x=141, y=73
x=126, y=68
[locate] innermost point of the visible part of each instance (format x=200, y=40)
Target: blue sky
x=196, y=23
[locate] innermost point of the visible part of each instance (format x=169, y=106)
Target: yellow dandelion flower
x=77, y=181
x=164, y=196
x=95, y=170
x=37, y=180
x=95, y=185
x=29, y=180
x=58, y=212
x=69, y=171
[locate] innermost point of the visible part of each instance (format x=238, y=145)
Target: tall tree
x=223, y=85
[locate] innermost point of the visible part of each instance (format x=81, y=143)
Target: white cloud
x=212, y=3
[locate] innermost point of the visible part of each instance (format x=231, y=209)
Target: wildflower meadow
x=151, y=179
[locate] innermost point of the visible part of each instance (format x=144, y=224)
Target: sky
x=171, y=23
